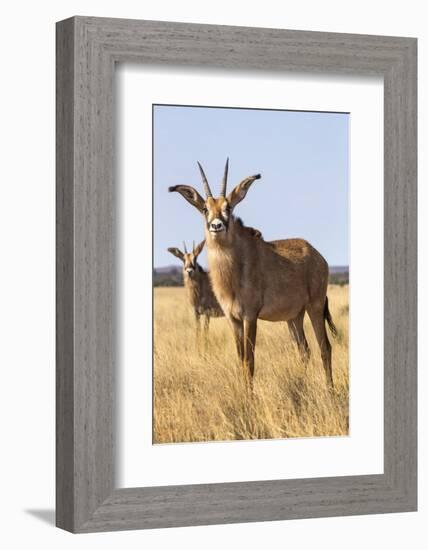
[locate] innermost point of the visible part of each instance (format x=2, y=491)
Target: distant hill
x=171, y=275
x=338, y=268
x=339, y=274
x=167, y=269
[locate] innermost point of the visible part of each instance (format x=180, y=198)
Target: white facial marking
x=216, y=225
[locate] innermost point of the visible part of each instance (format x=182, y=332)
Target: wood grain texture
x=87, y=49
x=64, y=277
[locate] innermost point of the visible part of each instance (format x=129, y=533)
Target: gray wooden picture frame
x=87, y=50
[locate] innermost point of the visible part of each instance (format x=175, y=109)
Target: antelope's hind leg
x=295, y=327
x=316, y=314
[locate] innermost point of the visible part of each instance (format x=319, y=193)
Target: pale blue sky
x=302, y=157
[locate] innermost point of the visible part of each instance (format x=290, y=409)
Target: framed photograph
x=204, y=302
x=236, y=274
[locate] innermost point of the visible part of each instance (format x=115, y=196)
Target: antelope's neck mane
x=194, y=284
x=229, y=259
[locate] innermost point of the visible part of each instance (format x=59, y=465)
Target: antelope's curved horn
x=184, y=246
x=193, y=247
x=205, y=182
x=224, y=182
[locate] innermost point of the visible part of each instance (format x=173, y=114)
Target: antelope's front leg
x=198, y=327
x=205, y=338
x=206, y=325
x=238, y=334
x=250, y=333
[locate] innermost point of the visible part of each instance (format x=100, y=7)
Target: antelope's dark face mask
x=217, y=214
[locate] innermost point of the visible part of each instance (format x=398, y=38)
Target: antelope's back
x=301, y=254
x=297, y=250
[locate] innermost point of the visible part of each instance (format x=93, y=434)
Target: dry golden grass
x=200, y=394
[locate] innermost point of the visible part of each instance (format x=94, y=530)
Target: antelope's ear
x=190, y=194
x=199, y=248
x=238, y=194
x=177, y=253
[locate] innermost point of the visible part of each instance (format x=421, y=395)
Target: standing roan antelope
x=254, y=279
x=197, y=283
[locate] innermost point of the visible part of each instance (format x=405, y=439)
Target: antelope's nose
x=217, y=225
x=189, y=270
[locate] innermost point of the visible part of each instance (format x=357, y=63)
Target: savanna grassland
x=200, y=392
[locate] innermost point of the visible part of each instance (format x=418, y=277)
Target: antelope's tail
x=329, y=319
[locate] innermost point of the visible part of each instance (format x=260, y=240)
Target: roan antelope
x=198, y=286
x=254, y=279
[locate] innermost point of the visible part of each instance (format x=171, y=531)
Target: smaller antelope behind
x=197, y=283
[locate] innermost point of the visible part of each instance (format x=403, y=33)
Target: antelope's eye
x=205, y=210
